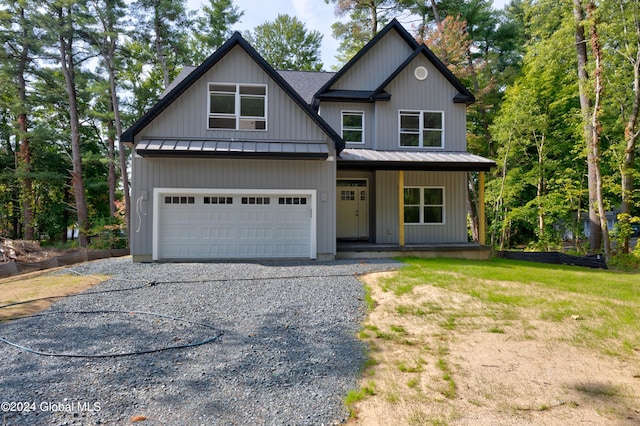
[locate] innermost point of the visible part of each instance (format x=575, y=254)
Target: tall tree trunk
x=108, y=54
x=631, y=133
x=595, y=124
x=111, y=153
x=25, y=148
x=540, y=190
x=67, y=62
x=595, y=231
x=436, y=14
x=159, y=52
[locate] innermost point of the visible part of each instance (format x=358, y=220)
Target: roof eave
x=415, y=166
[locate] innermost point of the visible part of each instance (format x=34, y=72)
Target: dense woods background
x=557, y=84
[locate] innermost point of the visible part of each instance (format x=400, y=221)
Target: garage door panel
x=234, y=226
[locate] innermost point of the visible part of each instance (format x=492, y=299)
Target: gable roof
x=197, y=73
x=463, y=96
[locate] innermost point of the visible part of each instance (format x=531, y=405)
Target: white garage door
x=219, y=224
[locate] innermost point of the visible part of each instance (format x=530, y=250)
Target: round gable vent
x=421, y=73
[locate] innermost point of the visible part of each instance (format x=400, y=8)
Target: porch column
x=401, y=208
x=481, y=216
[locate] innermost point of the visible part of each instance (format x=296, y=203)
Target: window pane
x=352, y=135
x=252, y=106
x=433, y=196
x=409, y=139
x=432, y=138
x=253, y=90
x=223, y=103
x=252, y=124
x=432, y=215
x=411, y=196
x=411, y=214
x=352, y=121
x=222, y=88
x=409, y=123
x=432, y=120
x=222, y=123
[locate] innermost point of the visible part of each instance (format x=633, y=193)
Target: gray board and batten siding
x=380, y=61
x=233, y=174
x=435, y=93
x=186, y=118
x=454, y=230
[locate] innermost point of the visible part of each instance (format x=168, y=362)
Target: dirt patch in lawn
x=37, y=286
x=445, y=358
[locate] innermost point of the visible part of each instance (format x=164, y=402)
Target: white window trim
x=237, y=115
x=420, y=136
x=422, y=206
x=354, y=112
x=159, y=193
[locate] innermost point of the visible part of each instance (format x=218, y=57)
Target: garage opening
x=214, y=224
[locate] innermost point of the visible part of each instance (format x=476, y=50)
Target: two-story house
x=239, y=161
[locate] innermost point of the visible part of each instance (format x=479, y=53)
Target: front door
x=352, y=206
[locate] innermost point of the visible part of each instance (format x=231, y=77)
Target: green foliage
x=212, y=28
x=286, y=44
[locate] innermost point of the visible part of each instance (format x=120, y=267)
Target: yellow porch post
x=481, y=216
x=401, y=207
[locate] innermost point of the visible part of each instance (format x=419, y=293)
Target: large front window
x=422, y=129
x=237, y=106
x=424, y=205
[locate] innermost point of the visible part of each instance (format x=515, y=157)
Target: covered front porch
x=383, y=209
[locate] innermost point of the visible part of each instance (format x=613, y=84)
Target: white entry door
x=352, y=207
x=240, y=224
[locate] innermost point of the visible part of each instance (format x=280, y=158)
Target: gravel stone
x=284, y=350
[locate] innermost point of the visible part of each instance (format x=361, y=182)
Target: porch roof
x=357, y=158
x=232, y=148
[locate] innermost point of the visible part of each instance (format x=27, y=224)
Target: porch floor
x=367, y=250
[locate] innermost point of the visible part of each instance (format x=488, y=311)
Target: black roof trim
x=463, y=95
x=235, y=40
x=354, y=96
x=393, y=25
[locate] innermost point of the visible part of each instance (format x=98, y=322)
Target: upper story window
x=237, y=106
x=353, y=126
x=424, y=205
x=422, y=129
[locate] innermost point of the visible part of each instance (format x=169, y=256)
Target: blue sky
x=316, y=15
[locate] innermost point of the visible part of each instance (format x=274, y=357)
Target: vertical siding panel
x=373, y=68
x=434, y=93
x=187, y=115
x=256, y=174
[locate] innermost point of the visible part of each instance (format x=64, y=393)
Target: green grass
x=605, y=304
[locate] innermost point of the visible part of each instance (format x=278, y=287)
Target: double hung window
x=422, y=129
x=353, y=126
x=424, y=205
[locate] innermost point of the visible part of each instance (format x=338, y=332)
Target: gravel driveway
x=282, y=347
